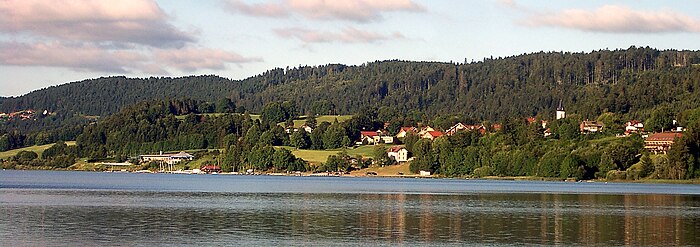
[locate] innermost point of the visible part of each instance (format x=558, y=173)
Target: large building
x=167, y=158
x=660, y=142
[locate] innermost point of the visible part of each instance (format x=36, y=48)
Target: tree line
x=627, y=81
x=518, y=148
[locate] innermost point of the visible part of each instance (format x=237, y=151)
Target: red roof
x=530, y=120
x=395, y=148
x=665, y=136
x=435, y=133
x=369, y=133
x=407, y=129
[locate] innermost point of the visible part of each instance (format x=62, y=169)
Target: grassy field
x=323, y=118
x=320, y=156
x=252, y=116
x=395, y=170
x=37, y=149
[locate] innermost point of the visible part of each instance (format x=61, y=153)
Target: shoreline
x=351, y=175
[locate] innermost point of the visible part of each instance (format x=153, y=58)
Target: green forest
x=119, y=118
x=631, y=81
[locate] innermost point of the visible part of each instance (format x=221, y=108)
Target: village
x=655, y=143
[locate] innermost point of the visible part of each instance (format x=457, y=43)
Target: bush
x=616, y=175
x=484, y=171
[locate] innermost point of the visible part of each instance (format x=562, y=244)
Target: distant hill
x=631, y=81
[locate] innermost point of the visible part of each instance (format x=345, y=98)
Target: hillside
x=631, y=81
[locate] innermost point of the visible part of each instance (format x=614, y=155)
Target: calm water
x=50, y=208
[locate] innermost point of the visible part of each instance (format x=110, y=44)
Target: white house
x=399, y=153
x=634, y=126
x=454, y=129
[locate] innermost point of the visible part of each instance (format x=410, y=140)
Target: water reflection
x=46, y=217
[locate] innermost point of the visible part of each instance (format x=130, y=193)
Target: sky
x=45, y=43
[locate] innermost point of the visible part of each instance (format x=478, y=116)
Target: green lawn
x=37, y=149
x=252, y=116
x=320, y=119
x=320, y=156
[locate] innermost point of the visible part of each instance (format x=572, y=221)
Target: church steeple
x=560, y=111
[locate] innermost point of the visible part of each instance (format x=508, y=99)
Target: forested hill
x=631, y=81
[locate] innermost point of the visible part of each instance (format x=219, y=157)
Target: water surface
x=40, y=208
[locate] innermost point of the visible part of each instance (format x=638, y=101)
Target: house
x=547, y=132
x=167, y=158
x=306, y=128
x=456, y=128
x=431, y=135
x=369, y=137
x=481, y=128
x=634, y=127
x=375, y=137
x=660, y=142
x=591, y=126
x=532, y=120
x=425, y=130
x=210, y=169
x=404, y=131
x=387, y=139
x=400, y=154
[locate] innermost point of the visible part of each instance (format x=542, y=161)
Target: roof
x=408, y=129
x=665, y=136
x=561, y=107
x=591, y=123
x=396, y=148
x=369, y=133
x=181, y=155
x=530, y=120
x=177, y=155
x=435, y=133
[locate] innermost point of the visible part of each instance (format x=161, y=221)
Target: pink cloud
x=192, y=59
x=86, y=57
x=618, y=19
x=347, y=35
x=125, y=21
x=351, y=10
x=77, y=57
x=260, y=9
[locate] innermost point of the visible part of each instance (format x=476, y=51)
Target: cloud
x=76, y=57
x=347, y=35
x=192, y=59
x=126, y=21
x=260, y=9
x=350, y=10
x=86, y=57
x=617, y=19
x=507, y=3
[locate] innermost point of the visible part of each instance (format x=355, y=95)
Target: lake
x=63, y=208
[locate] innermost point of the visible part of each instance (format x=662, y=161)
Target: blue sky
x=44, y=43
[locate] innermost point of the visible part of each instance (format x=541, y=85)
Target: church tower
x=560, y=111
